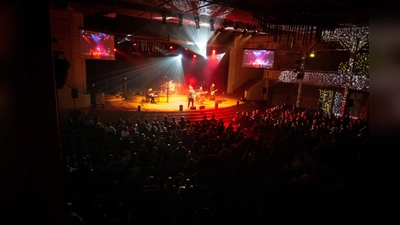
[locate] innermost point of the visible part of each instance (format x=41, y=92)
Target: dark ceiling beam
x=164, y=3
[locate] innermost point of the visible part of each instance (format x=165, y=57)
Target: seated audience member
x=125, y=134
x=110, y=130
x=71, y=216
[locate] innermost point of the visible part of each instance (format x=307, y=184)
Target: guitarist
x=212, y=92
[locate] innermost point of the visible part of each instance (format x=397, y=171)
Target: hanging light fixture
x=211, y=24
x=164, y=17
x=197, y=21
x=245, y=29
x=180, y=19
x=236, y=25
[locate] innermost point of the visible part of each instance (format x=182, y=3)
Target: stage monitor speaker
x=218, y=101
x=193, y=107
x=74, y=93
x=180, y=108
x=264, y=90
x=350, y=102
x=202, y=107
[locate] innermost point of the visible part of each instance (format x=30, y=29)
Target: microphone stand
x=167, y=91
x=167, y=87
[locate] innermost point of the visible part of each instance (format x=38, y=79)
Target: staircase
x=239, y=92
x=196, y=115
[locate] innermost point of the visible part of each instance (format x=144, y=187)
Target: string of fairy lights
x=353, y=74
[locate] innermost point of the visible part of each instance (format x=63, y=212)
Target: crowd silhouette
x=278, y=166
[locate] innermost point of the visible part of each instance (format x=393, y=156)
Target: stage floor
x=170, y=103
x=116, y=106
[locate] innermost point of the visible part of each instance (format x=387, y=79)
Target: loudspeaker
x=181, y=108
x=264, y=90
x=193, y=107
x=202, y=107
x=74, y=93
x=350, y=102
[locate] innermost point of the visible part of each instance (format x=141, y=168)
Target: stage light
x=180, y=19
x=164, y=17
x=244, y=31
x=211, y=24
x=197, y=21
x=300, y=75
x=236, y=25
x=224, y=25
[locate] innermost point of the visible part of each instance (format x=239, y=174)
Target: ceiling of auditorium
x=256, y=14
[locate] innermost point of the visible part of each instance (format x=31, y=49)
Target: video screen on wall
x=258, y=58
x=97, y=45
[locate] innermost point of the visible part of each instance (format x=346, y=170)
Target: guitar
x=213, y=92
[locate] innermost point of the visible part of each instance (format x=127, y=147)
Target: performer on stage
x=149, y=95
x=201, y=94
x=212, y=92
x=191, y=96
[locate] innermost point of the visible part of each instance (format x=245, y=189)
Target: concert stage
x=170, y=103
x=135, y=107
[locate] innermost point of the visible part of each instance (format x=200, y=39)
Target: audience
x=71, y=216
x=276, y=165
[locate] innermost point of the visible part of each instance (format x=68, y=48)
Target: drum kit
x=201, y=95
x=170, y=86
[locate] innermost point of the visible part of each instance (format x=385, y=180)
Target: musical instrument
x=170, y=86
x=213, y=92
x=199, y=96
x=201, y=92
x=154, y=94
x=202, y=99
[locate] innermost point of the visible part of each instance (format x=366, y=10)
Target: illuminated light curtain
x=353, y=39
